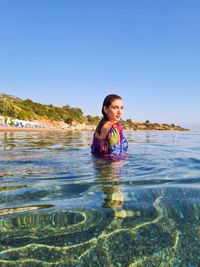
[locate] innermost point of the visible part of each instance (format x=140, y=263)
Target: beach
x=52, y=128
x=16, y=129
x=77, y=128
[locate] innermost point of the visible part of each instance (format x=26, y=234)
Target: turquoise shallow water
x=59, y=206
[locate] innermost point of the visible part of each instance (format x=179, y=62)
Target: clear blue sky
x=77, y=51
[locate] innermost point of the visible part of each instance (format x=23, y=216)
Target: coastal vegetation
x=28, y=110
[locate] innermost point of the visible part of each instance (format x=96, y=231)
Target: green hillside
x=14, y=107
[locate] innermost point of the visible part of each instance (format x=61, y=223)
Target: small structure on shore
x=20, y=123
x=2, y=121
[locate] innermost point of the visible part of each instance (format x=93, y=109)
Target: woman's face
x=114, y=111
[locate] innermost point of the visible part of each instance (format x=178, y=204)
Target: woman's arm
x=104, y=130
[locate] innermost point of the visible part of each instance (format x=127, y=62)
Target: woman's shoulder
x=117, y=125
x=104, y=130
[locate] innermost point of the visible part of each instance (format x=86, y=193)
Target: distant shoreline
x=28, y=115
x=16, y=129
x=77, y=129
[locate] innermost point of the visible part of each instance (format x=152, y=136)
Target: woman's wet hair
x=106, y=103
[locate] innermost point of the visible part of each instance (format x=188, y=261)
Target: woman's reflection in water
x=108, y=173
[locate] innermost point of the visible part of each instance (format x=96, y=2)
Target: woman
x=108, y=139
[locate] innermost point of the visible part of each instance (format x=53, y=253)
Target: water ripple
x=61, y=207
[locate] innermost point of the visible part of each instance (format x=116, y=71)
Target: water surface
x=59, y=206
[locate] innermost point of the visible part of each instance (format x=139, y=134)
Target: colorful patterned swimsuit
x=114, y=146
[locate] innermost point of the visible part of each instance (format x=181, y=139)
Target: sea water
x=59, y=206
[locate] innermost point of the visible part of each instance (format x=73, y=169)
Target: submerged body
x=114, y=145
